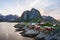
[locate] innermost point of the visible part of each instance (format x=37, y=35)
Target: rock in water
x=19, y=26
x=30, y=33
x=47, y=36
x=40, y=36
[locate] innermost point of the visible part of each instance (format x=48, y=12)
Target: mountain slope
x=31, y=15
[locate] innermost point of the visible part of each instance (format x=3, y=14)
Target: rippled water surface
x=7, y=32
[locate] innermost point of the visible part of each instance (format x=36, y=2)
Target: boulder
x=30, y=33
x=19, y=26
x=52, y=36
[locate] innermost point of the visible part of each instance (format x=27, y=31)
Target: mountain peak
x=33, y=9
x=31, y=15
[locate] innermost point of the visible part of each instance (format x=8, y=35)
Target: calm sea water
x=7, y=32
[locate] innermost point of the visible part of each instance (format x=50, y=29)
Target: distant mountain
x=11, y=17
x=8, y=18
x=29, y=16
x=54, y=13
x=49, y=19
x=1, y=17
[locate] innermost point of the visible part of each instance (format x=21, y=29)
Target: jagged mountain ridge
x=33, y=14
x=27, y=15
x=8, y=18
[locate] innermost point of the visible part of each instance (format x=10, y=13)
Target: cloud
x=42, y=4
x=55, y=13
x=18, y=6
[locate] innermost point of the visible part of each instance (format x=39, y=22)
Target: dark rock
x=30, y=33
x=18, y=29
x=19, y=26
x=41, y=35
x=40, y=38
x=24, y=28
x=53, y=39
x=51, y=36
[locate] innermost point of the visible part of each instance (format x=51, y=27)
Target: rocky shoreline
x=36, y=32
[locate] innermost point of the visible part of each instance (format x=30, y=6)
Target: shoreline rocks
x=39, y=35
x=30, y=33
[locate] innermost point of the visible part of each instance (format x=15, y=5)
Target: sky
x=46, y=7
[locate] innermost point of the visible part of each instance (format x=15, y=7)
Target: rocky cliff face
x=31, y=15
x=34, y=15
